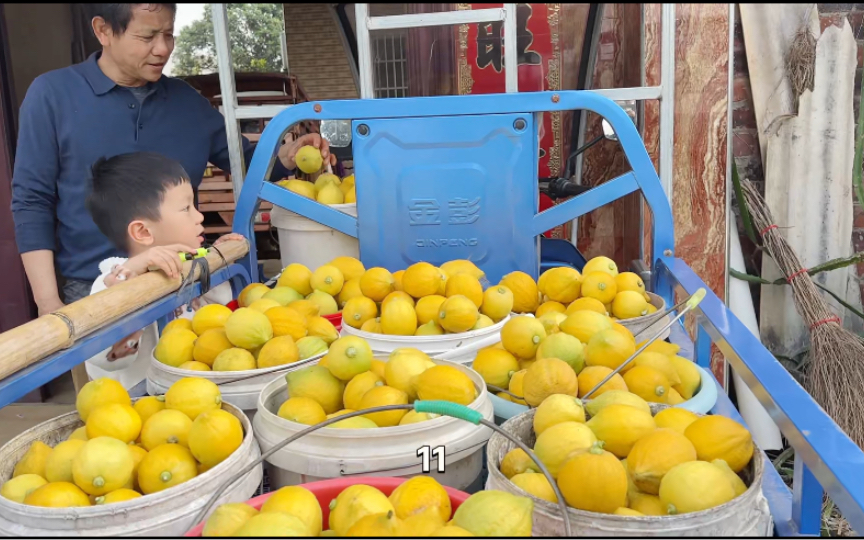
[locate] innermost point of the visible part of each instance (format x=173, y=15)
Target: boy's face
x=179, y=223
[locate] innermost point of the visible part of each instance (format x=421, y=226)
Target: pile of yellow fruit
x=272, y=327
x=125, y=450
x=570, y=353
x=327, y=189
x=419, y=507
x=612, y=456
x=425, y=300
x=349, y=379
x=600, y=287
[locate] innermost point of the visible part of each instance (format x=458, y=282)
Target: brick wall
x=745, y=145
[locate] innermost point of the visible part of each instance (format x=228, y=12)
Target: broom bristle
x=835, y=374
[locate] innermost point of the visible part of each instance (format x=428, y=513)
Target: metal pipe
x=419, y=20
x=229, y=96
x=667, y=98
x=511, y=59
x=367, y=76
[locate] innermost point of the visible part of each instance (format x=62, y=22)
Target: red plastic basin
x=327, y=490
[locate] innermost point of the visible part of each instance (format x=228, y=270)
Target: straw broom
x=835, y=374
x=31, y=342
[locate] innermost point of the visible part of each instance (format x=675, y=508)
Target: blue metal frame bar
x=828, y=453
x=17, y=385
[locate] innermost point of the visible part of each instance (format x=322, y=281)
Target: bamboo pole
x=31, y=342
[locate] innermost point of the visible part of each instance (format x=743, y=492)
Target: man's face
x=143, y=50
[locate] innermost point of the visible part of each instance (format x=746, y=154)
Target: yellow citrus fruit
x=483, y=322
x=629, y=305
x=248, y=328
x=210, y=316
x=377, y=283
x=654, y=455
x=718, y=437
x=421, y=524
x=466, y=285
x=297, y=277
x=327, y=279
x=355, y=422
x=310, y=346
x=138, y=455
x=515, y=462
x=556, y=409
x=166, y=427
x=584, y=324
x=102, y=465
x=227, y=519
x=525, y=291
x=330, y=194
x=442, y=285
x=209, y=344
x=458, y=314
x=308, y=159
x=350, y=290
x=358, y=310
x=326, y=303
x=628, y=281
x=495, y=513
x=302, y=410
x=358, y=386
x=305, y=308
x=252, y=293
x=428, y=307
x=283, y=295
x=194, y=366
x=418, y=494
x=114, y=420
x=349, y=356
x=621, y=329
x=322, y=328
x=537, y=485
x=430, y=329
x=609, y=348
x=397, y=280
x=117, y=496
x=398, y=318
x=522, y=336
x=80, y=434
x=297, y=501
x=373, y=326
x=620, y=426
x=325, y=179
x=550, y=307
x=601, y=264
x=300, y=187
x=563, y=347
x=452, y=531
x=234, y=359
x=177, y=324
x=413, y=417
x=627, y=512
x=379, y=368
x=556, y=444
x=193, y=396
x=551, y=320
x=33, y=461
x=675, y=418
x=516, y=388
x=57, y=495
x=287, y=321
x=690, y=377
x=599, y=286
x=278, y=351
x=649, y=505
x=214, y=436
x=497, y=302
x=612, y=397
x=403, y=367
x=738, y=485
x=318, y=383
x=546, y=377
x=495, y=366
x=586, y=304
x=58, y=466
x=648, y=383
x=350, y=267
x=446, y=383
x=354, y=503
x=166, y=466
x=694, y=486
x=462, y=266
x=421, y=279
x=384, y=395
x=660, y=362
x=561, y=284
x=17, y=489
x=662, y=347
x=175, y=348
x=594, y=480
x=592, y=375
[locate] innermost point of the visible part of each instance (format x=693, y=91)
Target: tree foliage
x=254, y=31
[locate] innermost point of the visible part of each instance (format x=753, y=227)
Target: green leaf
x=840, y=300
x=857, y=171
x=836, y=264
x=742, y=206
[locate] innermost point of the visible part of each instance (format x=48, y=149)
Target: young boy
x=144, y=204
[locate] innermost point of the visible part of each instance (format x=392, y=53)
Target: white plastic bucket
x=432, y=345
x=747, y=515
x=390, y=451
x=167, y=513
x=701, y=403
x=309, y=243
x=637, y=324
x=242, y=393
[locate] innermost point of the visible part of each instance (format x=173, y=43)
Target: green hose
x=447, y=408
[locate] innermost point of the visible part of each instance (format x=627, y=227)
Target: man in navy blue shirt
x=115, y=102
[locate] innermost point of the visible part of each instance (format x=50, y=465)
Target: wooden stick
x=31, y=342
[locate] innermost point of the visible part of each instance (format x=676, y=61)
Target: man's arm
x=34, y=194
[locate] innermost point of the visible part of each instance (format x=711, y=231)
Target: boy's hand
x=228, y=238
x=125, y=347
x=165, y=258
x=288, y=151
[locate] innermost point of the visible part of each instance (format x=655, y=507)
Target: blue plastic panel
x=438, y=189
